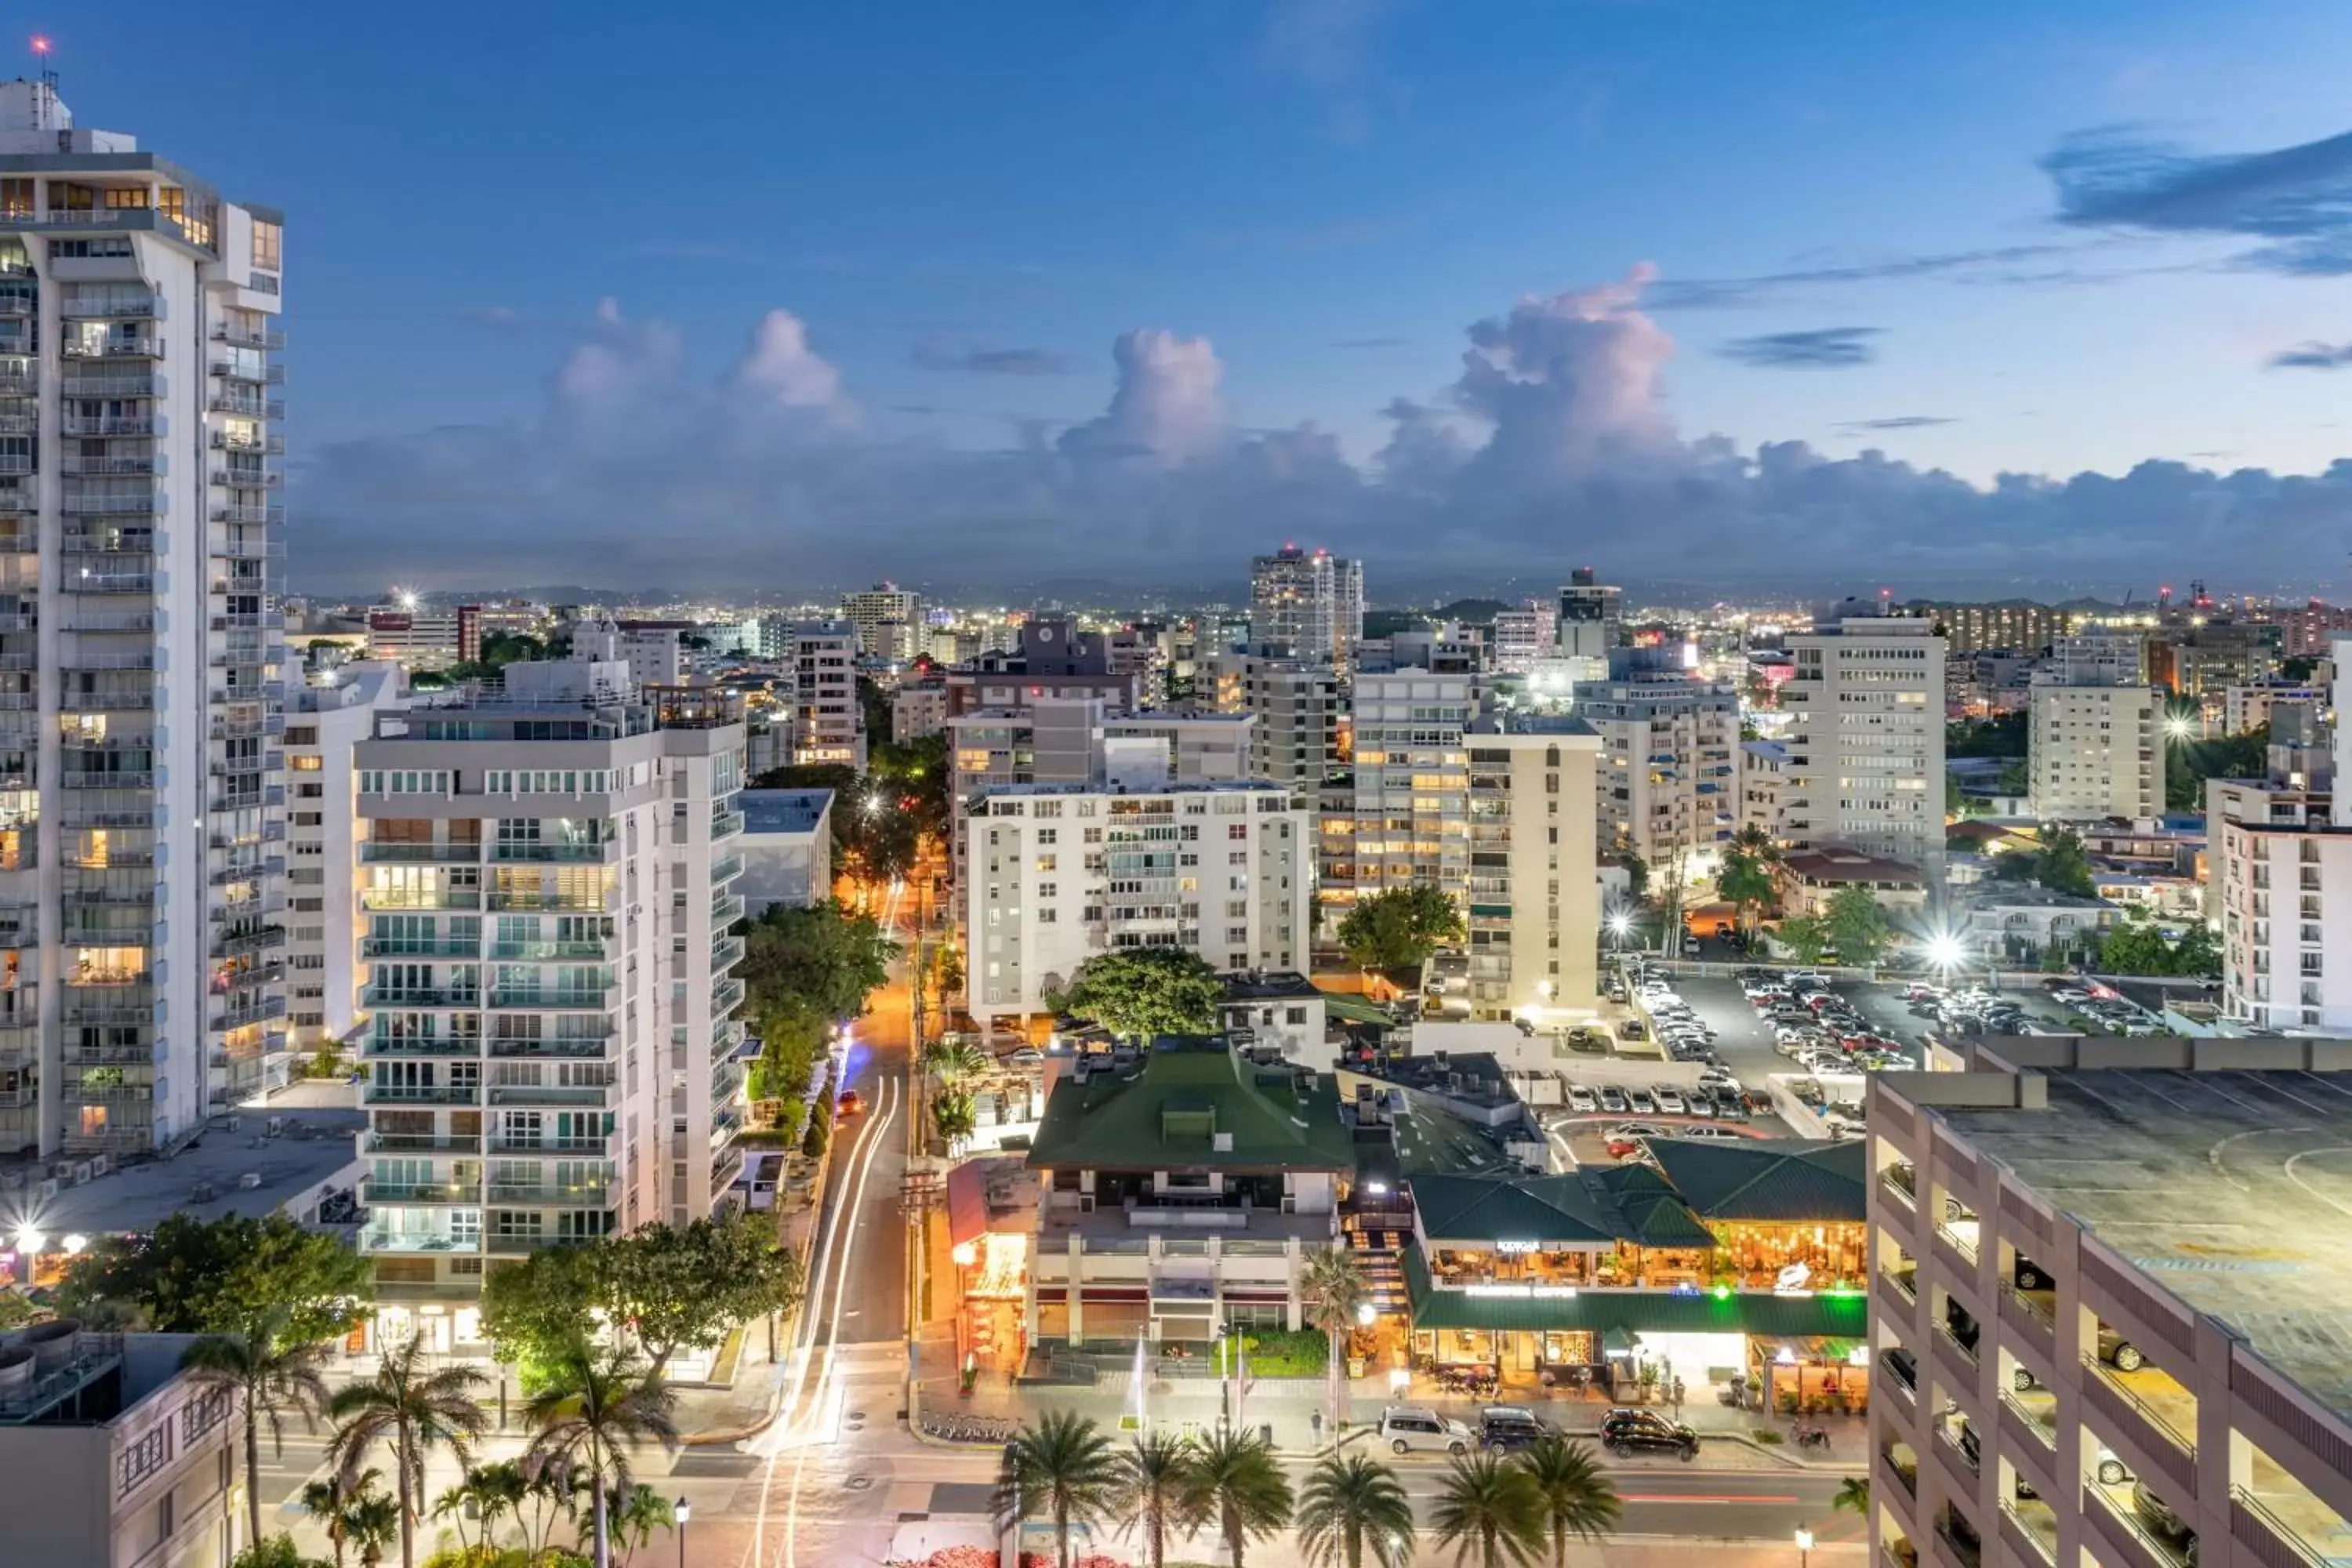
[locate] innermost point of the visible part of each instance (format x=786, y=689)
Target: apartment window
x=268, y=245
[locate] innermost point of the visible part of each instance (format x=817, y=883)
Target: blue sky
x=962, y=208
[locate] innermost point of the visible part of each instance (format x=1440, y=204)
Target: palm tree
x=1854, y=1497
x=415, y=1410
x=548, y=1488
x=1334, y=1288
x=497, y=1491
x=271, y=1375
x=956, y=1115
x=1060, y=1466
x=1236, y=1486
x=1577, y=1497
x=331, y=1502
x=636, y=1514
x=371, y=1522
x=598, y=1406
x=955, y=1062
x=481, y=1490
x=1347, y=1503
x=1152, y=1477
x=1487, y=1506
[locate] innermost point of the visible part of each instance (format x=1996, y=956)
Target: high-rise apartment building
x=551, y=1046
x=828, y=721
x=1668, y=789
x=1591, y=617
x=889, y=622
x=1411, y=799
x=2004, y=626
x=1298, y=709
x=141, y=859
x=2203, y=660
x=1057, y=874
x=2095, y=738
x=1866, y=744
x=2105, y=1319
x=1524, y=639
x=325, y=971
x=416, y=638
x=1307, y=604
x=1532, y=901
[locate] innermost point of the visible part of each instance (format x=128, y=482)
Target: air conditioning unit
x=82, y=1173
x=48, y=1189
x=250, y=1181
x=99, y=1164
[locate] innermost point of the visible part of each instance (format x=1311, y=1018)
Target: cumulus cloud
x=2296, y=202
x=2313, y=357
x=1550, y=444
x=1818, y=348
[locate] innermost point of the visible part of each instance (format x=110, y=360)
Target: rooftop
x=314, y=1146
x=2228, y=1190
x=1267, y=985
x=1833, y=866
x=783, y=810
x=1194, y=1104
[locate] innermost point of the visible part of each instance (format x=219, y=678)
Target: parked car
x=1624, y=1432
x=1707, y=1135
x=1582, y=1098
x=2119, y=1351
x=1613, y=1101
x=1670, y=1101
x=1643, y=1102
x=1508, y=1429
x=1417, y=1429
x=2163, y=1523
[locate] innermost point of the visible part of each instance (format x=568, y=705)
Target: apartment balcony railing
x=396, y=900
x=109, y=306
x=602, y=1000
x=609, y=850
x=420, y=1143
x=372, y=1191
x=91, y=582
x=135, y=345
x=548, y=1195
x=420, y=1094
x=378, y=852
x=112, y=424
x=373, y=1240
x=248, y=478
x=726, y=869
x=562, y=1047
x=546, y=951
x=231, y=441
x=421, y=996
x=726, y=910
x=247, y=337
x=534, y=899
x=254, y=515
x=227, y=401
x=95, y=467
x=75, y=503
x=419, y=947
x=239, y=373
x=247, y=550
x=22, y=383
x=413, y=1047
x=115, y=778
x=508, y=1143
x=147, y=385
x=247, y=942
x=726, y=953
x=604, y=1097
x=726, y=995
x=726, y=825
x=251, y=1012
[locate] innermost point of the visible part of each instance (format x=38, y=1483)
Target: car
x=1628, y=1432
x=1643, y=1102
x=1701, y=1103
x=1416, y=1428
x=2119, y=1351
x=1510, y=1428
x=2164, y=1523
x=1613, y=1100
x=1707, y=1135
x=1731, y=1105
x=1637, y=1129
x=1622, y=1148
x=1026, y=1056
x=2069, y=995
x=2111, y=1470
x=849, y=1104
x=1670, y=1101
x=1582, y=1098
x=1690, y=947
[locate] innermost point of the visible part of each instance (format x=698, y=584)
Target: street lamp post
x=1804, y=1548
x=681, y=1508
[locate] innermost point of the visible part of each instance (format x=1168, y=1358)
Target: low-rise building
x=787, y=847
x=919, y=710
x=2108, y=1307
x=1278, y=1008
x=2019, y=921
x=1763, y=774
x=1813, y=877
x=111, y=1457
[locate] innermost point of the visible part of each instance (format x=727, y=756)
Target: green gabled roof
x=1341, y=1008
x=1655, y=1214
x=1526, y=1208
x=1637, y=1312
x=1169, y=1113
x=1787, y=1178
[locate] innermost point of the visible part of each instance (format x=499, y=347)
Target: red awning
x=967, y=1203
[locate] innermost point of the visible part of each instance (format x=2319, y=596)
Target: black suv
x=1507, y=1429
x=1624, y=1432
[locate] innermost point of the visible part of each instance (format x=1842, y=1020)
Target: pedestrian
x=1678, y=1396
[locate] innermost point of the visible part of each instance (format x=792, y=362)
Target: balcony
x=726, y=825
x=547, y=952
x=269, y=446
x=726, y=910
x=251, y=1012
x=87, y=581
x=222, y=511
x=562, y=1047
x=421, y=996
x=509, y=1143
x=406, y=1047
x=383, y=1240
x=112, y=424
x=233, y=371
x=535, y=898
x=396, y=900
x=549, y=1195
x=103, y=467
x=419, y=947
x=726, y=995
x=464, y=1094
x=230, y=401
x=420, y=1143
x=549, y=999
x=255, y=478
x=567, y=1097
x=113, y=385
x=109, y=306
x=726, y=953
x=247, y=337
x=378, y=852
x=573, y=854
x=134, y=345
x=726, y=869
x=372, y=1191
x=248, y=941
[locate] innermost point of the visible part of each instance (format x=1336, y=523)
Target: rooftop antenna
x=45, y=102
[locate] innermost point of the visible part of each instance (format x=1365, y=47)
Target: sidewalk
x=1292, y=1410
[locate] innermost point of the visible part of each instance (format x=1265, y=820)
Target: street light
x=28, y=1242
x=1804, y=1547
x=680, y=1510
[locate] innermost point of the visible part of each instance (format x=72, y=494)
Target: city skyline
x=1351, y=306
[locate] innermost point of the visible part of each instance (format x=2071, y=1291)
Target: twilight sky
x=793, y=295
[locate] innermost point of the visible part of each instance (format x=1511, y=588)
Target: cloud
x=1550, y=444
x=933, y=353
x=2007, y=263
x=1820, y=348
x=2296, y=201
x=1898, y=422
x=2313, y=356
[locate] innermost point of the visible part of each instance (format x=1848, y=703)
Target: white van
x=1417, y=1429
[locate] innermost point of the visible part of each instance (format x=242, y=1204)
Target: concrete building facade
x=1308, y=603
x=1298, y=710
x=1410, y=821
x=1669, y=785
x=828, y=722
x=2095, y=738
x=1533, y=896
x=142, y=452
x=1866, y=744
x=325, y=972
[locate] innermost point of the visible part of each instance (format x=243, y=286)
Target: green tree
x=537, y=1307
x=1490, y=1507
x=2196, y=953
x=269, y=1375
x=411, y=1409
x=2063, y=865
x=1747, y=884
x=1334, y=1288
x=191, y=1276
x=1236, y=1486
x=2003, y=735
x=273, y=1552
x=1806, y=937
x=956, y=1062
x=1637, y=872
x=1349, y=1504
x=1060, y=1468
x=1577, y=1500
x=1144, y=991
x=330, y=1501
x=634, y=1515
x=2135, y=947
x=1152, y=1475
x=1852, y=1496
x=600, y=1407
x=1857, y=925
x=1399, y=928
x=371, y=1523
x=683, y=1289
x=956, y=1114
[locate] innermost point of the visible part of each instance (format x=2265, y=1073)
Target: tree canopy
x=1399, y=928
x=803, y=971
x=192, y=1276
x=1144, y=991
x=2063, y=865
x=1857, y=925
x=2189, y=763
x=2138, y=946
x=1746, y=883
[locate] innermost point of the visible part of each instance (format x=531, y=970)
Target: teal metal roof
x=1783, y=1179
x=1634, y=1312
